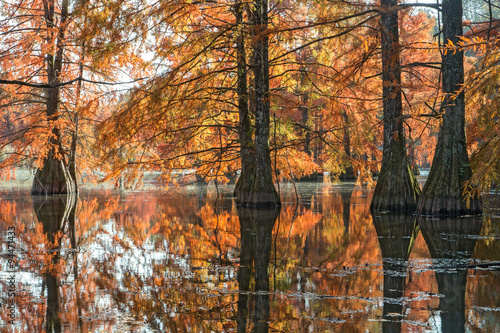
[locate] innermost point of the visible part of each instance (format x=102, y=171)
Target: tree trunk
x=263, y=193
x=413, y=160
x=74, y=137
x=243, y=186
x=346, y=141
x=443, y=193
x=54, y=176
x=303, y=109
x=397, y=189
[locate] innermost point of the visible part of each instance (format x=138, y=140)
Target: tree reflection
x=256, y=228
x=158, y=262
x=396, y=235
x=346, y=194
x=451, y=243
x=54, y=213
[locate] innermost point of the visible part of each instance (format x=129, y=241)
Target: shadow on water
x=256, y=228
x=451, y=243
x=56, y=214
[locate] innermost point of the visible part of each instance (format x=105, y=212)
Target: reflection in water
x=346, y=195
x=54, y=213
x=451, y=243
x=256, y=226
x=176, y=262
x=396, y=235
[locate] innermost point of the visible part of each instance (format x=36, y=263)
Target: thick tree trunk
x=397, y=189
x=243, y=186
x=54, y=176
x=263, y=193
x=443, y=193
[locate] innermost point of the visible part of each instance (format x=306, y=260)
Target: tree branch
x=46, y=85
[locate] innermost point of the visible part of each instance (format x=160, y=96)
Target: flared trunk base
x=53, y=178
x=397, y=190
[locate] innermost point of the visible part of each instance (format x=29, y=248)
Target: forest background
x=109, y=90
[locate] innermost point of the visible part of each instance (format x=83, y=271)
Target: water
x=185, y=261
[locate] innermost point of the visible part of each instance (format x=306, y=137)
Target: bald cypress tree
x=397, y=189
x=443, y=193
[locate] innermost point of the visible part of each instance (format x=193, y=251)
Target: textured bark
x=263, y=193
x=304, y=110
x=346, y=142
x=413, y=161
x=397, y=189
x=256, y=228
x=396, y=235
x=54, y=177
x=243, y=186
x=452, y=242
x=443, y=194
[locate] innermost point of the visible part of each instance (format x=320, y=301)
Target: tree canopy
x=108, y=90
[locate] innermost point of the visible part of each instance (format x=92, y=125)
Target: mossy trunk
x=443, y=193
x=397, y=189
x=262, y=192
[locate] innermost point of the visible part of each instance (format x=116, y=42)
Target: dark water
x=184, y=261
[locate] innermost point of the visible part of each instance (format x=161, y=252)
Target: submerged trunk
x=263, y=193
x=397, y=189
x=443, y=193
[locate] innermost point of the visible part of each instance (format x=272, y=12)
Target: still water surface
x=184, y=261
